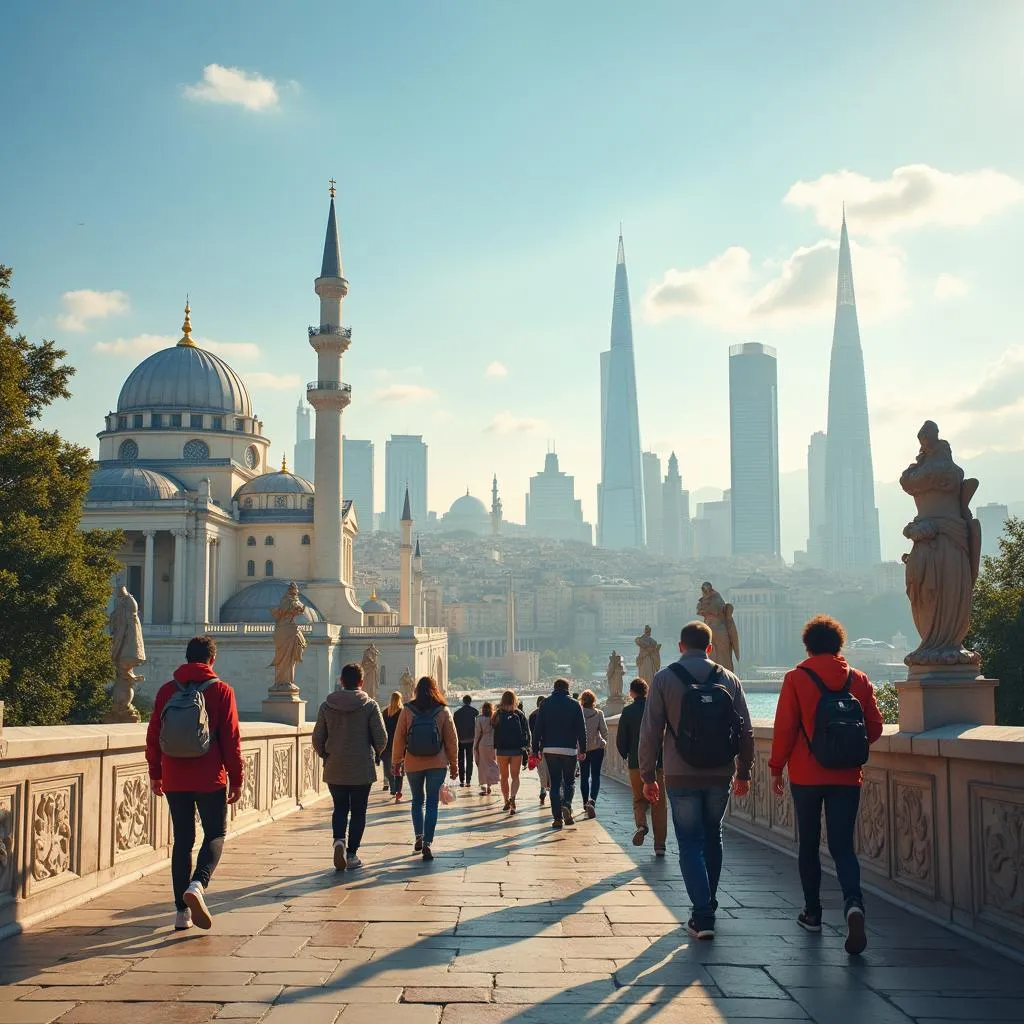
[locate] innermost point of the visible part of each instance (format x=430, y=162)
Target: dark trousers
x=562, y=769
x=349, y=813
x=466, y=762
x=590, y=775
x=213, y=815
x=394, y=781
x=841, y=803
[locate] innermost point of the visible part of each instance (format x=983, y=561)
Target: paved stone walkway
x=511, y=923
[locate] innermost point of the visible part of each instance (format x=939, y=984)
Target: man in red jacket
x=812, y=784
x=207, y=783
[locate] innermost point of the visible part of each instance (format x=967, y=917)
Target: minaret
x=417, y=586
x=620, y=495
x=495, y=507
x=405, y=552
x=851, y=518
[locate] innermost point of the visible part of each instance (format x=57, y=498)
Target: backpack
x=508, y=733
x=709, y=728
x=840, y=737
x=424, y=738
x=184, y=722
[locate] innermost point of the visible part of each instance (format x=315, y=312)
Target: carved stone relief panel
x=310, y=770
x=998, y=817
x=762, y=789
x=54, y=831
x=134, y=812
x=873, y=821
x=281, y=774
x=250, y=798
x=8, y=843
x=783, y=816
x=914, y=851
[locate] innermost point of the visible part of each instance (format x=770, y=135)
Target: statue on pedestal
x=613, y=675
x=648, y=657
x=717, y=614
x=943, y=564
x=289, y=643
x=127, y=651
x=407, y=685
x=371, y=670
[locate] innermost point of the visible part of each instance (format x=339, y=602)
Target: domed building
x=467, y=515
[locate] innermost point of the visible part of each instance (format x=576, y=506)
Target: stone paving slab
x=511, y=924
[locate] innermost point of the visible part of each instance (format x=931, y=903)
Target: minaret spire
x=331, y=264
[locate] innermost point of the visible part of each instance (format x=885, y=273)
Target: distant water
x=762, y=705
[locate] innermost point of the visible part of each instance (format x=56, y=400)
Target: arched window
x=196, y=450
x=268, y=568
x=129, y=451
x=250, y=569
x=251, y=542
x=305, y=538
x=268, y=542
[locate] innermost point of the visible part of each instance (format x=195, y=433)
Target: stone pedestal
x=285, y=710
x=936, y=695
x=613, y=706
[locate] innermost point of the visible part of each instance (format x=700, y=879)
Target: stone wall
x=77, y=814
x=941, y=823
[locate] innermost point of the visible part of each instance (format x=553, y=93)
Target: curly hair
x=824, y=635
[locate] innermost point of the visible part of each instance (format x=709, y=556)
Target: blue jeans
x=432, y=780
x=590, y=775
x=697, y=818
x=394, y=781
x=841, y=803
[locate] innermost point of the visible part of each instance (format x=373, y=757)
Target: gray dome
x=253, y=604
x=377, y=607
x=185, y=377
x=130, y=483
x=278, y=482
x=468, y=507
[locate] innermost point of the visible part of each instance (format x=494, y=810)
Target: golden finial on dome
x=186, y=328
x=284, y=463
x=373, y=594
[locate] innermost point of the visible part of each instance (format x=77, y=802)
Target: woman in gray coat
x=349, y=735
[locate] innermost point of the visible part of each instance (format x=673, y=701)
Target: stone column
x=213, y=607
x=202, y=577
x=180, y=554
x=147, y=578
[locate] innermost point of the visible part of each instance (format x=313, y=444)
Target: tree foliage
x=465, y=668
x=55, y=580
x=888, y=702
x=997, y=622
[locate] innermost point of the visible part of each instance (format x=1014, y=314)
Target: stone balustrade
x=941, y=825
x=77, y=814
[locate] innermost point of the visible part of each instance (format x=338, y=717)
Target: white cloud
x=496, y=369
x=949, y=286
x=911, y=197
x=1002, y=386
x=85, y=305
x=145, y=344
x=404, y=393
x=247, y=89
x=273, y=381
x=506, y=423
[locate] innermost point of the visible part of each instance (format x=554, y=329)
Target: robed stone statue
x=648, y=657
x=289, y=643
x=371, y=670
x=614, y=674
x=127, y=651
x=717, y=614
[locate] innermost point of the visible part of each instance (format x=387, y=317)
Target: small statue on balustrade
x=289, y=643
x=127, y=651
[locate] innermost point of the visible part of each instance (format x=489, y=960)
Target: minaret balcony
x=328, y=393
x=332, y=329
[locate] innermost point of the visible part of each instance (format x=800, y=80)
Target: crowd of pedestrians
x=687, y=741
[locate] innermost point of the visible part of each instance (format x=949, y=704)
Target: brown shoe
x=640, y=835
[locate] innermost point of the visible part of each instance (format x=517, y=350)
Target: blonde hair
x=395, y=704
x=588, y=699
x=508, y=703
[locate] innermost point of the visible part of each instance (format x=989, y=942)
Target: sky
x=485, y=155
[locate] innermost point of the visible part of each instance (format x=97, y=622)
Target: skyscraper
x=357, y=479
x=851, y=518
x=405, y=465
x=676, y=541
x=620, y=495
x=816, y=498
x=304, y=460
x=651, y=465
x=754, y=449
x=552, y=509
x=993, y=518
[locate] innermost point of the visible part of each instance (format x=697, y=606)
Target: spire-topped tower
x=620, y=495
x=496, y=509
x=851, y=519
x=405, y=559
x=417, y=587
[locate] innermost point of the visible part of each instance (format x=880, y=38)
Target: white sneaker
x=183, y=920
x=340, y=862
x=195, y=898
x=354, y=862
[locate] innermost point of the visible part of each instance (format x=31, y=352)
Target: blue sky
x=485, y=154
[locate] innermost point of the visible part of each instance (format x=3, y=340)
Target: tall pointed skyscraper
x=620, y=495
x=851, y=518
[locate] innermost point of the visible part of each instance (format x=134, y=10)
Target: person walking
x=511, y=740
x=425, y=745
x=709, y=748
x=542, y=765
x=194, y=754
x=597, y=740
x=350, y=736
x=483, y=749
x=392, y=778
x=627, y=742
x=465, y=729
x=561, y=739
x=825, y=722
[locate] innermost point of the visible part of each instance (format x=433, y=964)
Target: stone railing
x=77, y=815
x=941, y=824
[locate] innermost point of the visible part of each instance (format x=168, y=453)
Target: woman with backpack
x=483, y=749
x=425, y=745
x=825, y=722
x=511, y=740
x=597, y=740
x=392, y=779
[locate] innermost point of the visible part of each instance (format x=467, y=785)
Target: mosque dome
x=253, y=604
x=131, y=483
x=468, y=507
x=278, y=482
x=377, y=607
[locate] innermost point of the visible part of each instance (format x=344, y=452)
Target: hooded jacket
x=349, y=732
x=597, y=729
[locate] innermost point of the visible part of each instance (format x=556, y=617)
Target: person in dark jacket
x=392, y=779
x=561, y=738
x=206, y=784
x=542, y=765
x=627, y=742
x=465, y=729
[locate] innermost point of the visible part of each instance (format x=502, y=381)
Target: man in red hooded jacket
x=812, y=784
x=207, y=783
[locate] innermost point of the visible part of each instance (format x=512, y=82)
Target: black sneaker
x=856, y=932
x=427, y=855
x=567, y=815
x=808, y=921
x=695, y=931
x=543, y=796
x=557, y=823
x=418, y=845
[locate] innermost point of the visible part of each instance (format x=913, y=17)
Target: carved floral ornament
x=51, y=834
x=7, y=829
x=309, y=767
x=133, y=817
x=872, y=822
x=1002, y=824
x=250, y=784
x=281, y=782
x=914, y=841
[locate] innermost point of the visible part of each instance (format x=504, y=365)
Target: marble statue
x=648, y=657
x=371, y=670
x=942, y=566
x=717, y=614
x=127, y=651
x=614, y=675
x=289, y=643
x=407, y=685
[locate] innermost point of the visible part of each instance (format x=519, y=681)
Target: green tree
x=888, y=703
x=997, y=622
x=465, y=668
x=548, y=661
x=580, y=662
x=54, y=578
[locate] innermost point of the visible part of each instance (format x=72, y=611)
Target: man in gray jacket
x=349, y=734
x=698, y=706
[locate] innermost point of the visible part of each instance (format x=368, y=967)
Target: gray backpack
x=184, y=722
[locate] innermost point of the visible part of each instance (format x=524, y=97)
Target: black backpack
x=508, y=734
x=708, y=735
x=840, y=737
x=424, y=738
